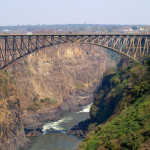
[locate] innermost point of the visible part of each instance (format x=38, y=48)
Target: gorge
x=46, y=94
x=56, y=79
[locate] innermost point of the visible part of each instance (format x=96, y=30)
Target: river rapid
x=54, y=133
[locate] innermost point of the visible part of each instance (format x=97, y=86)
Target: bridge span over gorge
x=14, y=47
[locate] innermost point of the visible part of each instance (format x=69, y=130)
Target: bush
x=122, y=104
x=141, y=89
x=147, y=61
x=48, y=101
x=35, y=99
x=33, y=107
x=93, y=111
x=131, y=142
x=115, y=80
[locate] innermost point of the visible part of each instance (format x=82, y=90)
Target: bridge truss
x=14, y=47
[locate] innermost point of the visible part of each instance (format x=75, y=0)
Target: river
x=54, y=133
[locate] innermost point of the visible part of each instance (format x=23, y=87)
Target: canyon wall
x=12, y=136
x=120, y=114
x=61, y=77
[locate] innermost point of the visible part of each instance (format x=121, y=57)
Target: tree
x=134, y=28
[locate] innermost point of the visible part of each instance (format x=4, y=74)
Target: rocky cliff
x=12, y=136
x=120, y=114
x=58, y=78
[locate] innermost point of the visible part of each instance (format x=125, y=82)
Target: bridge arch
x=15, y=47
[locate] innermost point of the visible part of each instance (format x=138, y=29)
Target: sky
x=32, y=12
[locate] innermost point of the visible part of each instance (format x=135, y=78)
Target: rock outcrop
x=80, y=130
x=12, y=136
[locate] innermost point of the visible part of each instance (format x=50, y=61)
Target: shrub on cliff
x=122, y=104
x=128, y=130
x=125, y=85
x=39, y=103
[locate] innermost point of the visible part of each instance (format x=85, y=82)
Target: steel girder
x=14, y=47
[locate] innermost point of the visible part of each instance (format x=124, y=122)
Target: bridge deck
x=15, y=46
x=88, y=34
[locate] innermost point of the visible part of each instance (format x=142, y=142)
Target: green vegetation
x=134, y=28
x=126, y=131
x=39, y=103
x=75, y=28
x=122, y=104
x=113, y=55
x=48, y=101
x=34, y=107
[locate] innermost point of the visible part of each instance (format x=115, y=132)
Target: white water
x=86, y=109
x=56, y=125
x=54, y=133
x=60, y=125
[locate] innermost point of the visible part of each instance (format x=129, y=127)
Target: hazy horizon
x=76, y=24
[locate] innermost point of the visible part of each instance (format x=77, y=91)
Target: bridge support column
x=5, y=61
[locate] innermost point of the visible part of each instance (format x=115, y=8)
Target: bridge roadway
x=16, y=46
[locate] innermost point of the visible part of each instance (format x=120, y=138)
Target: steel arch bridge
x=14, y=47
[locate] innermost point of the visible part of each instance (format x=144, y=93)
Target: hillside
x=12, y=136
x=121, y=110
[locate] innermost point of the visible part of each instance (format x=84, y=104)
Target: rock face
x=12, y=136
x=58, y=78
x=80, y=130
